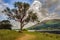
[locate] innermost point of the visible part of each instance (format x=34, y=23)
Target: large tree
x=19, y=13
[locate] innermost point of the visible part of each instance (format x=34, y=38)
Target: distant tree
x=5, y=24
x=19, y=14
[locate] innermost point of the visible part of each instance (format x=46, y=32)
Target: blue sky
x=11, y=2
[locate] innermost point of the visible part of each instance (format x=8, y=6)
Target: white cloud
x=2, y=5
x=50, y=4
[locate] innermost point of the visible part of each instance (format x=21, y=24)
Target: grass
x=12, y=35
x=44, y=36
x=8, y=35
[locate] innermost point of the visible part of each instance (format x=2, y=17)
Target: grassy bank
x=12, y=35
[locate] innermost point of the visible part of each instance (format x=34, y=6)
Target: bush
x=25, y=30
x=5, y=24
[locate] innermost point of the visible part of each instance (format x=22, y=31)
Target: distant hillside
x=47, y=25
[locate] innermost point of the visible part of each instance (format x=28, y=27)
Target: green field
x=13, y=35
x=8, y=35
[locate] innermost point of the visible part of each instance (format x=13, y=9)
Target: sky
x=54, y=3
x=11, y=2
x=50, y=5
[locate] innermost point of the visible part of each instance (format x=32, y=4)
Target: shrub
x=5, y=24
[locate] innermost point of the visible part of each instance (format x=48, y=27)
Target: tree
x=5, y=24
x=19, y=14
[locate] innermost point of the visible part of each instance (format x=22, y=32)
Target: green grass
x=8, y=35
x=12, y=35
x=44, y=36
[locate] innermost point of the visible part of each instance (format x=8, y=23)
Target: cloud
x=50, y=5
x=57, y=9
x=0, y=0
x=2, y=5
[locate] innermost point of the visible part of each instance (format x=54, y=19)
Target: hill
x=52, y=24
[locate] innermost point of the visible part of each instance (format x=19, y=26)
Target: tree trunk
x=21, y=27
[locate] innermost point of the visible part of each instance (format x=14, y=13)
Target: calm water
x=49, y=31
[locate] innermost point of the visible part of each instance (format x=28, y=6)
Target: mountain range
x=53, y=24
